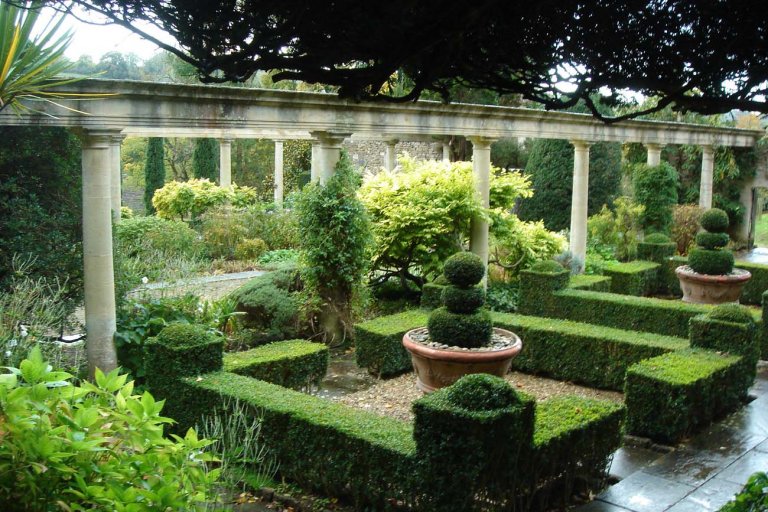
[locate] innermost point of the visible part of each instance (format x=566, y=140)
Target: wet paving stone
x=629, y=459
x=601, y=506
x=739, y=471
x=642, y=492
x=709, y=497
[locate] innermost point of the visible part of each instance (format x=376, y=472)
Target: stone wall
x=369, y=154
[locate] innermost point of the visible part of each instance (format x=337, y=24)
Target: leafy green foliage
x=188, y=200
x=41, y=205
x=93, y=446
x=482, y=392
x=468, y=330
x=656, y=189
x=685, y=225
x=753, y=497
x=279, y=256
x=615, y=231
x=503, y=296
x=712, y=240
x=547, y=266
x=205, y=159
x=517, y=244
x=550, y=165
x=142, y=236
x=463, y=300
x=711, y=261
x=335, y=233
x=250, y=249
x=154, y=172
x=657, y=238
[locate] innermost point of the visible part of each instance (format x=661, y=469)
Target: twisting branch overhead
x=706, y=56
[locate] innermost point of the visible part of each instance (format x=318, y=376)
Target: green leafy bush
x=656, y=189
x=482, y=392
x=279, y=257
x=657, y=238
x=753, y=497
x=250, y=249
x=685, y=225
x=154, y=171
x=432, y=295
x=464, y=269
x=463, y=300
x=278, y=228
x=714, y=220
x=93, y=446
x=616, y=230
x=222, y=229
x=711, y=261
x=467, y=330
x=187, y=200
x=296, y=364
x=205, y=159
x=503, y=297
x=712, y=240
x=335, y=233
x=548, y=266
x=142, y=237
x=516, y=244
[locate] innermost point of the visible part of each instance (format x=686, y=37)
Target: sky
x=96, y=40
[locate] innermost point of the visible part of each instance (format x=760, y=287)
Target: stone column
x=390, y=157
x=315, y=164
x=99, y=278
x=446, y=152
x=279, y=190
x=116, y=177
x=579, y=199
x=327, y=153
x=654, y=153
x=225, y=162
x=481, y=165
x=707, y=174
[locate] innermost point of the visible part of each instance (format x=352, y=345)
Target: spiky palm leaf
x=31, y=61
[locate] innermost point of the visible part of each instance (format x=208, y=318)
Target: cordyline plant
x=31, y=61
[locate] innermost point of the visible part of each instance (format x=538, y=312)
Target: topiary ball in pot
x=710, y=257
x=461, y=322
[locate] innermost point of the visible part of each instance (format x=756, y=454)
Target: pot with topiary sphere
x=709, y=277
x=460, y=338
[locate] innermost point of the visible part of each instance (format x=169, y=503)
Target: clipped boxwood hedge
x=432, y=295
x=537, y=289
x=587, y=354
x=632, y=278
x=755, y=287
x=670, y=396
x=594, y=283
x=296, y=364
x=378, y=342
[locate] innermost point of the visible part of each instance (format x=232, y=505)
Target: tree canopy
x=707, y=56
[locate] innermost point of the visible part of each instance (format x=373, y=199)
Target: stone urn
x=437, y=368
x=709, y=277
x=460, y=338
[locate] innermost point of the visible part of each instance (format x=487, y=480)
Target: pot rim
x=443, y=354
x=738, y=275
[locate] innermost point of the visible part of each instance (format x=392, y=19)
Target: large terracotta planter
x=437, y=368
x=710, y=289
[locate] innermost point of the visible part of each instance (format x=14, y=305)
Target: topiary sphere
x=460, y=329
x=711, y=261
x=463, y=300
x=657, y=238
x=714, y=220
x=732, y=313
x=464, y=269
x=482, y=392
x=712, y=240
x=547, y=267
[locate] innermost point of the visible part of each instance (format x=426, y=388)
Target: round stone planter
x=711, y=289
x=437, y=368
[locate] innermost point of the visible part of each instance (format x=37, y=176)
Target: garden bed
x=393, y=397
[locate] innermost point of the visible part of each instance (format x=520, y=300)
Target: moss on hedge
x=293, y=364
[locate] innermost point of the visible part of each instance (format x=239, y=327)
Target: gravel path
x=393, y=397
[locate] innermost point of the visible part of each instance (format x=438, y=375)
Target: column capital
x=330, y=139
x=117, y=139
x=581, y=144
x=654, y=146
x=480, y=141
x=708, y=148
x=226, y=140
x=99, y=137
x=391, y=142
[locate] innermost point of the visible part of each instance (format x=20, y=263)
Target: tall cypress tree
x=550, y=164
x=154, y=171
x=205, y=160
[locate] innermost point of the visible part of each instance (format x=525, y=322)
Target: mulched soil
x=393, y=397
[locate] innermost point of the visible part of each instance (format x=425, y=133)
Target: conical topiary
x=461, y=322
x=710, y=256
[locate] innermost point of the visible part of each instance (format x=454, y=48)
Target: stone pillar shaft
x=390, y=157
x=481, y=166
x=225, y=162
x=707, y=175
x=99, y=280
x=279, y=190
x=315, y=163
x=116, y=177
x=654, y=154
x=327, y=153
x=446, y=152
x=579, y=200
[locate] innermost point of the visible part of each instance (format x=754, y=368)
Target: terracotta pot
x=437, y=368
x=710, y=289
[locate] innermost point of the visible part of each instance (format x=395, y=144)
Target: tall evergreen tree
x=154, y=171
x=550, y=164
x=205, y=160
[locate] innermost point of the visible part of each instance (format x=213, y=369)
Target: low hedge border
x=378, y=342
x=669, y=396
x=432, y=295
x=633, y=278
x=587, y=354
x=297, y=364
x=594, y=283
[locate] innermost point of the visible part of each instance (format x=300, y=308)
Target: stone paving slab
x=709, y=497
x=641, y=492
